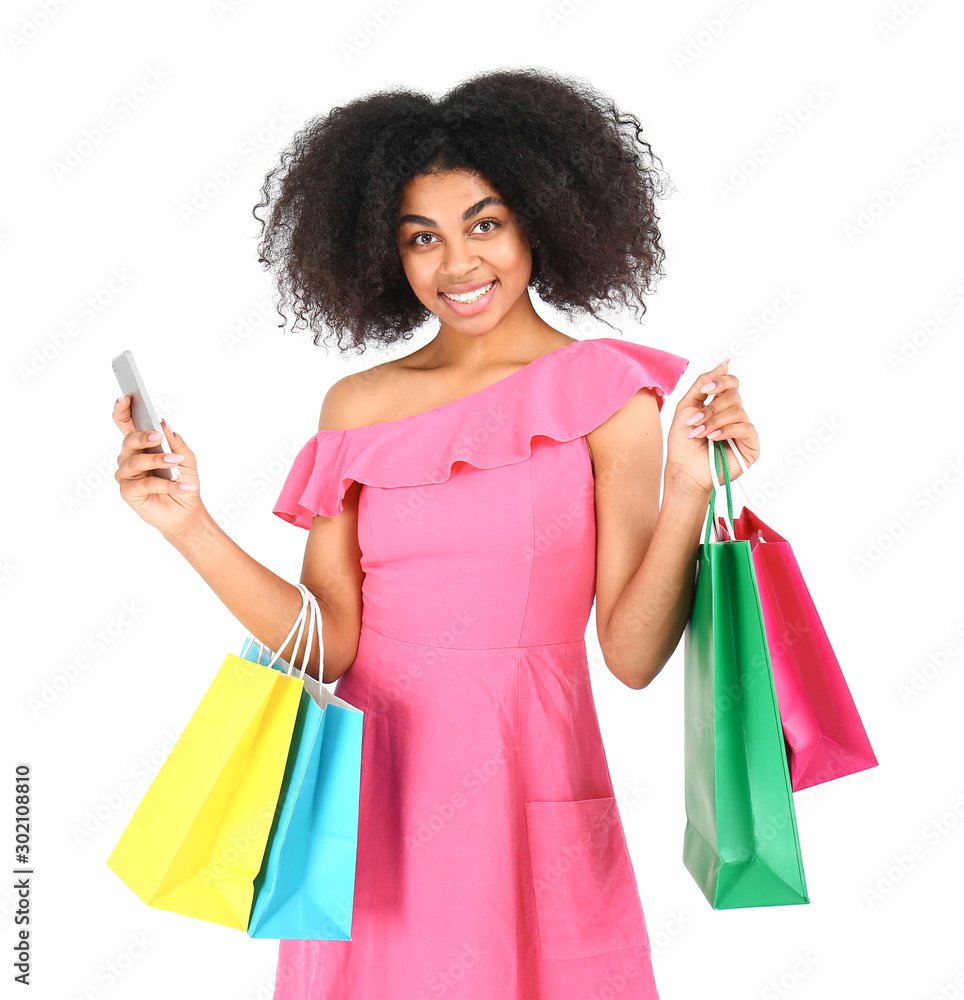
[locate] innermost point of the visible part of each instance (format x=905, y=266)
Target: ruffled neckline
x=478, y=392
x=562, y=400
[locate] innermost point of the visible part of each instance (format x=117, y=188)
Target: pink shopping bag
x=823, y=732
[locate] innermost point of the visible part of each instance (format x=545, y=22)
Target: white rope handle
x=307, y=610
x=310, y=613
x=316, y=617
x=734, y=449
x=284, y=642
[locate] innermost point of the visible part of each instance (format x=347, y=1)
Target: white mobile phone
x=142, y=410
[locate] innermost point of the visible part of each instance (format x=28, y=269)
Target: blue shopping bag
x=305, y=888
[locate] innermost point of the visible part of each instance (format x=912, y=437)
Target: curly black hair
x=574, y=170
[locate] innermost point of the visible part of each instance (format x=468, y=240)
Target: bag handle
x=715, y=454
x=315, y=617
x=310, y=612
x=307, y=609
x=739, y=458
x=284, y=642
x=711, y=519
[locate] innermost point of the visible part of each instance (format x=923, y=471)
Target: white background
x=851, y=384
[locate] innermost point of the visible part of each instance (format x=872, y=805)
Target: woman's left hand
x=688, y=461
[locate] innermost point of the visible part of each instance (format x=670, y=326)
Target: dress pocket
x=586, y=897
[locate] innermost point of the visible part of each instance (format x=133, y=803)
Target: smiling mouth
x=469, y=297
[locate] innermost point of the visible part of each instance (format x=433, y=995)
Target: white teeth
x=470, y=296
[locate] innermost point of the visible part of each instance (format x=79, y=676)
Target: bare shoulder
x=363, y=397
x=344, y=405
x=633, y=428
x=404, y=386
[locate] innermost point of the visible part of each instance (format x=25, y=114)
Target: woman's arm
x=266, y=605
x=263, y=602
x=645, y=553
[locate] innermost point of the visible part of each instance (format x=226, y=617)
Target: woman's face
x=454, y=236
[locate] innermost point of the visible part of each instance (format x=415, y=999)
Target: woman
x=465, y=505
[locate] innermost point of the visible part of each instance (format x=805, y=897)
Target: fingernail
x=709, y=387
x=722, y=363
x=153, y=436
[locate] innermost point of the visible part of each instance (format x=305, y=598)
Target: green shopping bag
x=740, y=843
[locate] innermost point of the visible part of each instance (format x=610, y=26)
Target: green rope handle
x=718, y=453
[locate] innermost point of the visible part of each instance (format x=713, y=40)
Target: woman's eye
x=494, y=223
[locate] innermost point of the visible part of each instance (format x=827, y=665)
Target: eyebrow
x=421, y=220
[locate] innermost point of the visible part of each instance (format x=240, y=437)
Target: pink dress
x=492, y=862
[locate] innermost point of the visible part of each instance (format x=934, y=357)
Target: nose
x=458, y=260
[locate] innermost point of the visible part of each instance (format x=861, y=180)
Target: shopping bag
x=305, y=889
x=824, y=734
x=740, y=842
x=196, y=841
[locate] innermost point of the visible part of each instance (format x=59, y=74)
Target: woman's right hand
x=163, y=503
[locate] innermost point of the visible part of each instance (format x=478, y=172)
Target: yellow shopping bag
x=196, y=841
